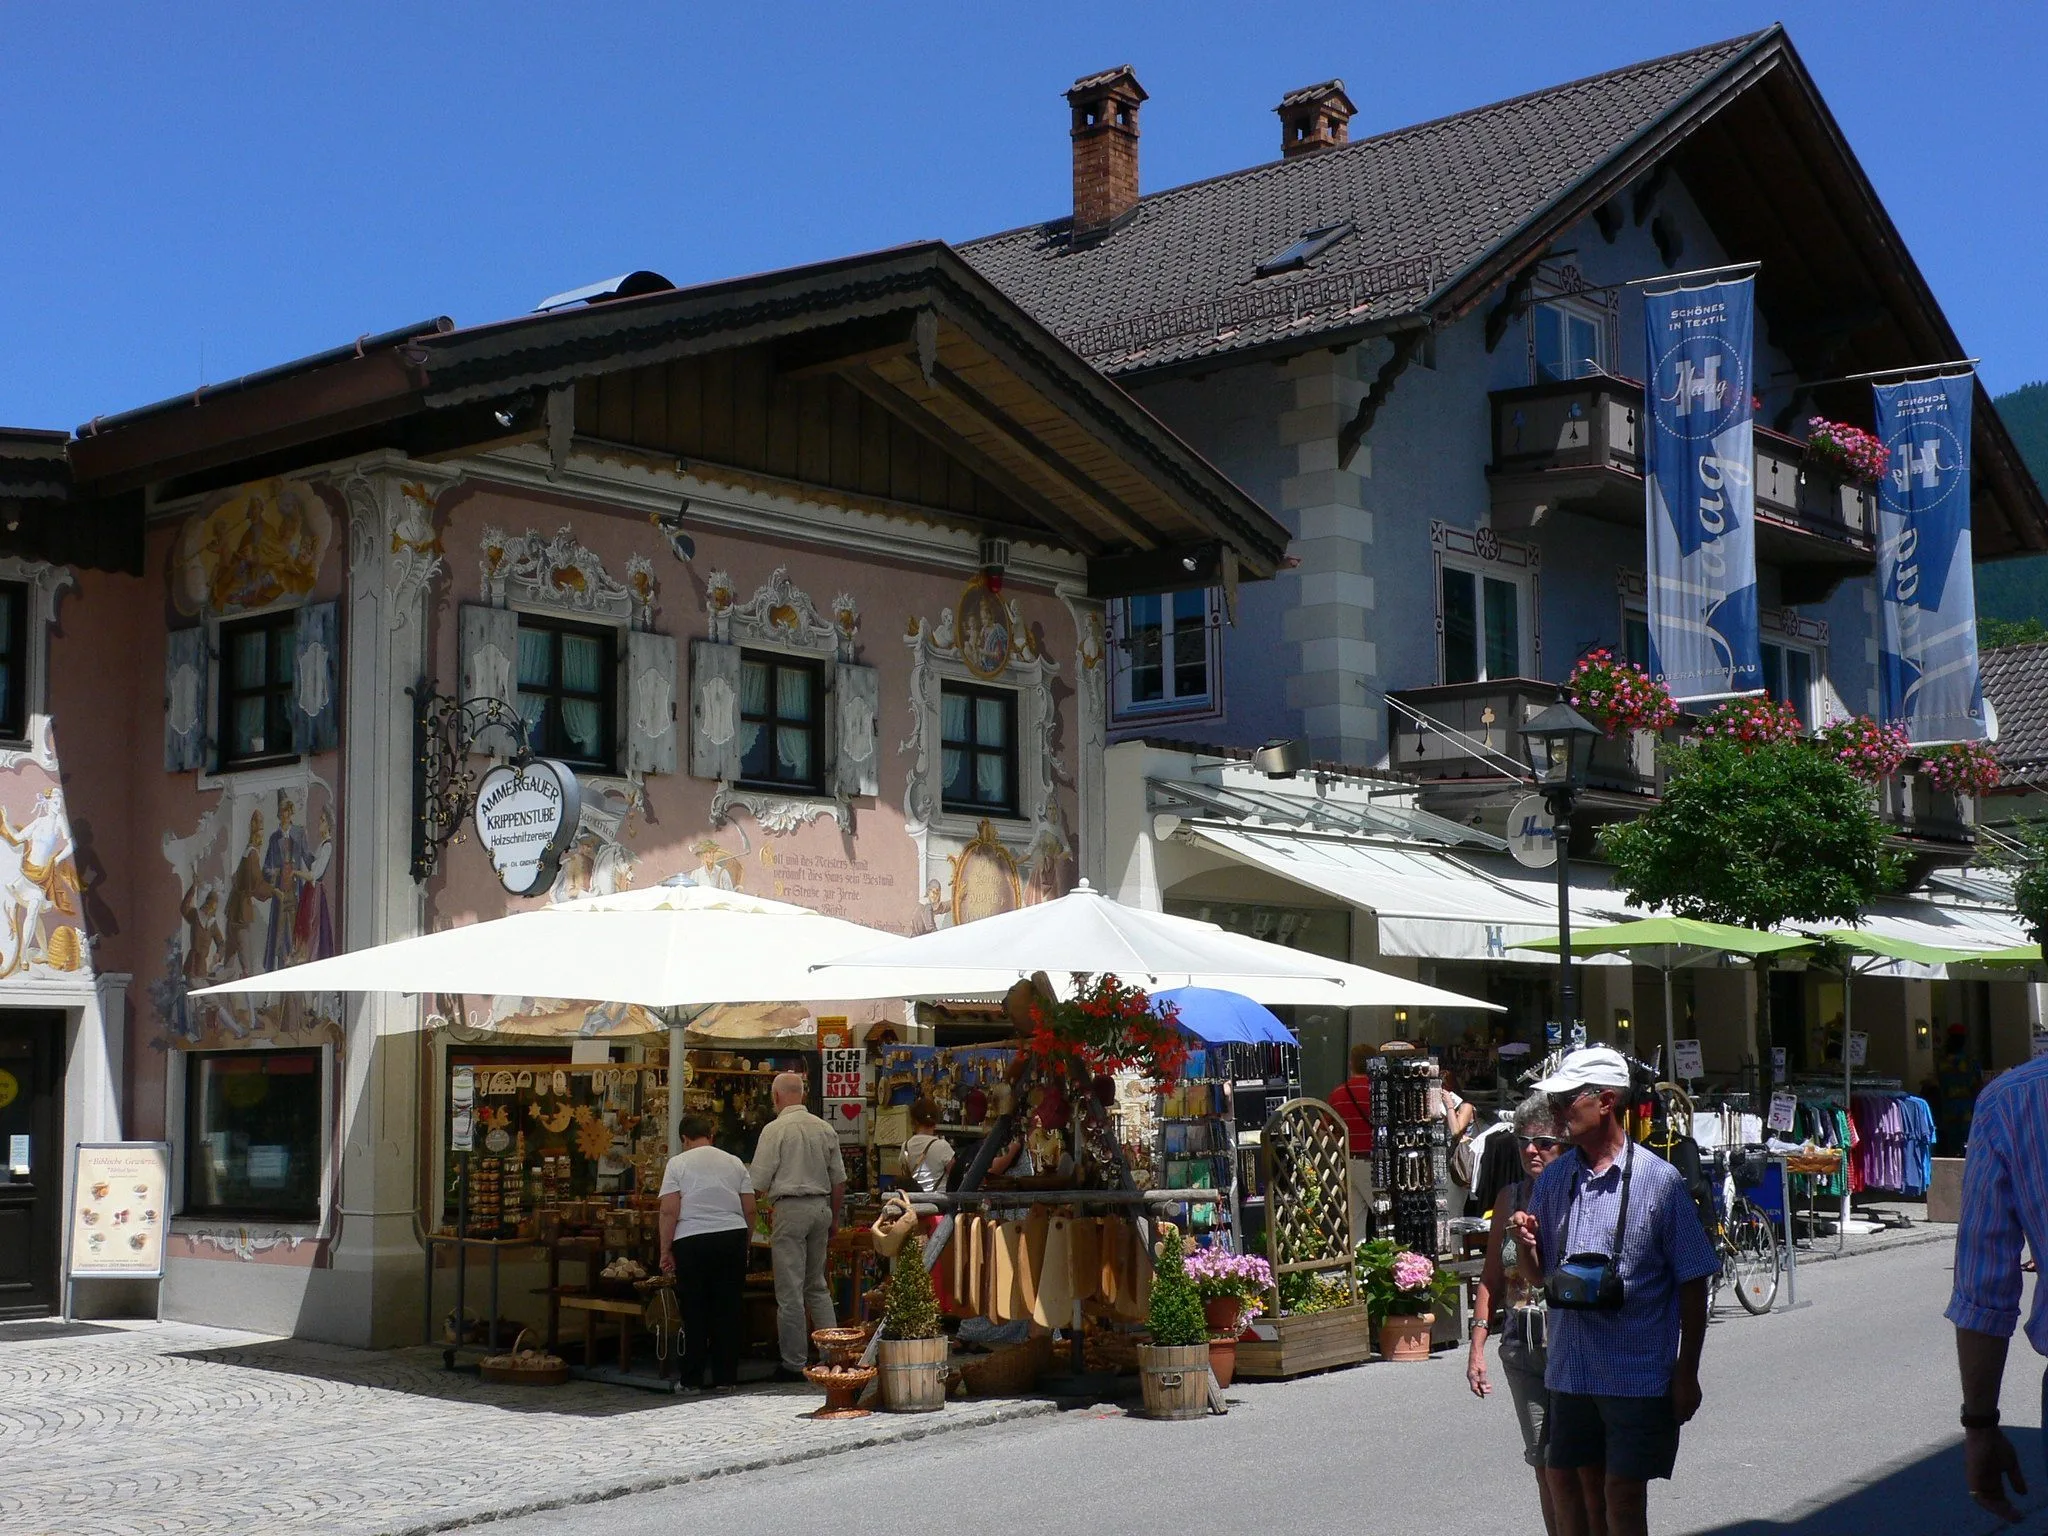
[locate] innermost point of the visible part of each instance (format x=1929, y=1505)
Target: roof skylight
x=1312, y=244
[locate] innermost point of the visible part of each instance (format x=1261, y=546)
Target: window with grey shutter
x=316, y=678
x=185, y=714
x=857, y=701
x=650, y=703
x=714, y=710
x=489, y=646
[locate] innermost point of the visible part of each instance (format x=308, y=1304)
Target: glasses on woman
x=1544, y=1143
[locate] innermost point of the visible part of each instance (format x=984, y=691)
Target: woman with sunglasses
x=1520, y=1324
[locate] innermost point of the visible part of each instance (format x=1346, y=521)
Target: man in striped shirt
x=2005, y=1201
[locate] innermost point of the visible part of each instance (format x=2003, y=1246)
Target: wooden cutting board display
x=1085, y=1258
x=1005, y=1297
x=1112, y=1243
x=1030, y=1257
x=1052, y=1301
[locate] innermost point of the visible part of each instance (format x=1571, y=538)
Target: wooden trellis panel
x=1306, y=1151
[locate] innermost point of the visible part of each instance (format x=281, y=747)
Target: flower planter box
x=1316, y=1342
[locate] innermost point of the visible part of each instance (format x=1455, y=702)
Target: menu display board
x=120, y=1209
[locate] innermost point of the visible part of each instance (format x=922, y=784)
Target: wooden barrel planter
x=913, y=1375
x=1174, y=1379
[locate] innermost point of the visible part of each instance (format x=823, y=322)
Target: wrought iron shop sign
x=526, y=813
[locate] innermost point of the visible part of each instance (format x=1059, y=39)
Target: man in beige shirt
x=798, y=1170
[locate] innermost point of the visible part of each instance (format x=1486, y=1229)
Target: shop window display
x=252, y=1138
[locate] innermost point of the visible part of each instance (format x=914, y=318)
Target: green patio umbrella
x=1677, y=942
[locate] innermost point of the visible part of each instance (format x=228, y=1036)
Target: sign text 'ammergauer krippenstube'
x=526, y=813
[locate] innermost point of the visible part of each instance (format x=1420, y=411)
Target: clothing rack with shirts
x=1895, y=1142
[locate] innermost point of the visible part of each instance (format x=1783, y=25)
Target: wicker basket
x=1006, y=1372
x=524, y=1367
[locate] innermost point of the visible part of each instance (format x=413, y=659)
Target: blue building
x=1422, y=351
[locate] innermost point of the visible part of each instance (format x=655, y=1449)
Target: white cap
x=1591, y=1066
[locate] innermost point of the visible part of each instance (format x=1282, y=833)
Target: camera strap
x=1628, y=1158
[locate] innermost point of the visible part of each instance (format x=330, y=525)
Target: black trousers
x=711, y=1274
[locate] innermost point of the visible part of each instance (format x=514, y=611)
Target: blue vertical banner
x=1927, y=665
x=1699, y=473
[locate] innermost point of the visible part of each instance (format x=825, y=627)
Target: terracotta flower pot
x=1405, y=1336
x=1222, y=1313
x=1222, y=1361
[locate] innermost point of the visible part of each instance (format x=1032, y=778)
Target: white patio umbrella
x=668, y=946
x=1086, y=931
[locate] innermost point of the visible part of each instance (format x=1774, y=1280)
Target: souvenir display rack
x=1193, y=1140
x=1261, y=1078
x=1410, y=1156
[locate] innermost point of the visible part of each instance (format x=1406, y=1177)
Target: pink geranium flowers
x=1618, y=695
x=1849, y=449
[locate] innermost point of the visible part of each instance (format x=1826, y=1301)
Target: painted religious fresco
x=256, y=892
x=259, y=544
x=42, y=932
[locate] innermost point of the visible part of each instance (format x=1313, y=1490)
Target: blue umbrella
x=1225, y=1018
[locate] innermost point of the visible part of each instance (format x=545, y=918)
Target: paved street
x=1838, y=1417
x=196, y=1430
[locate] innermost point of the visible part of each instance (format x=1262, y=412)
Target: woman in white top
x=926, y=1155
x=707, y=1220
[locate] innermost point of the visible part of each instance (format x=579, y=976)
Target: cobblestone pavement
x=163, y=1428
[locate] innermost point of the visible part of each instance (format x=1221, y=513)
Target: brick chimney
x=1314, y=117
x=1105, y=147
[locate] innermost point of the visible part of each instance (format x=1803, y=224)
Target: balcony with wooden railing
x=1461, y=743
x=1575, y=445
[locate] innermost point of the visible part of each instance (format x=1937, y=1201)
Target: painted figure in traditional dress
x=312, y=919
x=37, y=876
x=285, y=862
x=204, y=945
x=712, y=860
x=248, y=891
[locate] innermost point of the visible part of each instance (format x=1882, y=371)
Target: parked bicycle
x=1743, y=1235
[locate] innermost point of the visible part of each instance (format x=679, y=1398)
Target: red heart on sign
x=850, y=1109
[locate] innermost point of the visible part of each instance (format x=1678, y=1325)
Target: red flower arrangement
x=1849, y=449
x=1104, y=1028
x=1962, y=768
x=1618, y=695
x=1753, y=723
x=1871, y=751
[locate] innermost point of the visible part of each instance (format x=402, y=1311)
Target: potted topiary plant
x=912, y=1352
x=1173, y=1369
x=1233, y=1290
x=1403, y=1289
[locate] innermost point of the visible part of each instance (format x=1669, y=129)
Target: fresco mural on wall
x=597, y=861
x=255, y=893
x=259, y=544
x=971, y=865
x=41, y=901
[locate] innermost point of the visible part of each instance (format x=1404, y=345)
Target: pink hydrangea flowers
x=1413, y=1272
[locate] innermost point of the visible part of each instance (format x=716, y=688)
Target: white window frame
x=1485, y=556
x=1572, y=309
x=1206, y=706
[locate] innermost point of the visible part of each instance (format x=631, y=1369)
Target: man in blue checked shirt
x=1622, y=1377
x=2005, y=1201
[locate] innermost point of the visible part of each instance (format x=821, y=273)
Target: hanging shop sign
x=1686, y=1060
x=1859, y=1048
x=1927, y=664
x=1699, y=477
x=526, y=813
x=1777, y=1063
x=1532, y=833
x=119, y=1209
x=844, y=1068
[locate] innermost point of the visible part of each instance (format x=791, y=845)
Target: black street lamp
x=1558, y=742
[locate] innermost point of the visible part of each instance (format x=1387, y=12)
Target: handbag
x=1591, y=1282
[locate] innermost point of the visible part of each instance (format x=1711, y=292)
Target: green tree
x=911, y=1308
x=1176, y=1317
x=1754, y=836
x=1992, y=633
x=2028, y=865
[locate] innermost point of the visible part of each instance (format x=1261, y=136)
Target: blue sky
x=195, y=192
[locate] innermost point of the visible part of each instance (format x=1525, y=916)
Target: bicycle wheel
x=1755, y=1260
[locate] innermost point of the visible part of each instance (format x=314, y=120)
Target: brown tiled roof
x=2016, y=683
x=1176, y=278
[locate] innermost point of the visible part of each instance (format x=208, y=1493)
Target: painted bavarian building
x=803, y=574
